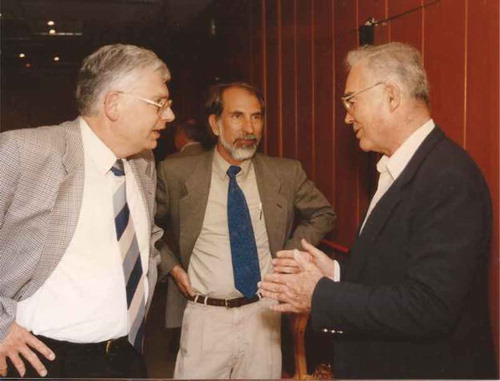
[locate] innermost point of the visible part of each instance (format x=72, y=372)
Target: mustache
x=248, y=137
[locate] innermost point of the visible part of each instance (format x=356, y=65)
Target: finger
x=275, y=277
x=284, y=262
x=3, y=367
x=18, y=363
x=40, y=346
x=283, y=308
x=303, y=262
x=35, y=362
x=285, y=254
x=271, y=286
x=269, y=294
x=315, y=252
x=287, y=269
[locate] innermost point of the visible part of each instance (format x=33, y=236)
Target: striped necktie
x=132, y=267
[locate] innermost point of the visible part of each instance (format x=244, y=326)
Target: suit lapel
x=193, y=204
x=140, y=168
x=66, y=211
x=388, y=204
x=273, y=203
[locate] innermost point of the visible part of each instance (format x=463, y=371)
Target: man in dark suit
x=77, y=256
x=227, y=330
x=411, y=301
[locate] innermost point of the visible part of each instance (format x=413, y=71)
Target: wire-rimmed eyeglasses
x=347, y=99
x=163, y=105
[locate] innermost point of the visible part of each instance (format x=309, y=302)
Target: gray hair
x=109, y=66
x=395, y=61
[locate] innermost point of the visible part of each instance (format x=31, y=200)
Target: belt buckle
x=226, y=303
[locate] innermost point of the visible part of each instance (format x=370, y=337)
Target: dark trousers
x=109, y=359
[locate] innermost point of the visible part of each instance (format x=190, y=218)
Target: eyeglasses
x=163, y=105
x=346, y=99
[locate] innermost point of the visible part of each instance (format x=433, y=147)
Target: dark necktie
x=242, y=239
x=132, y=266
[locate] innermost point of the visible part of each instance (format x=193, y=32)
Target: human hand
x=293, y=291
x=323, y=261
x=20, y=341
x=182, y=280
x=285, y=262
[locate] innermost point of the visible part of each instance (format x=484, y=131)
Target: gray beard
x=239, y=153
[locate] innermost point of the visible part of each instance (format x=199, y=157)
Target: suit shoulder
x=182, y=164
x=44, y=139
x=278, y=162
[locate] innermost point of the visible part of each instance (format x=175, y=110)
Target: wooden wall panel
x=272, y=78
x=482, y=117
x=323, y=144
x=289, y=107
x=304, y=84
x=347, y=153
x=407, y=28
x=446, y=67
x=256, y=45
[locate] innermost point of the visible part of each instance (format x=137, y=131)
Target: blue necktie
x=246, y=268
x=132, y=266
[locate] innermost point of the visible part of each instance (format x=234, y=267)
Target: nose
x=168, y=115
x=348, y=118
x=247, y=126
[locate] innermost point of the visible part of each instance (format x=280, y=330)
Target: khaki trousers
x=219, y=342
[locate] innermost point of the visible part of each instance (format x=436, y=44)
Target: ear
x=212, y=120
x=112, y=105
x=393, y=94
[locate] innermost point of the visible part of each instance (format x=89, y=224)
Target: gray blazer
x=41, y=189
x=182, y=194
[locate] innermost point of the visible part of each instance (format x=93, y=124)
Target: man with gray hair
x=411, y=300
x=230, y=210
x=77, y=256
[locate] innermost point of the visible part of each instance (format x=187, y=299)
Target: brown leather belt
x=228, y=303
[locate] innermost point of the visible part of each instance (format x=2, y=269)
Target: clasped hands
x=295, y=276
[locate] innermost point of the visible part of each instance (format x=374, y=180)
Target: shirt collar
x=102, y=157
x=220, y=167
x=189, y=144
x=399, y=159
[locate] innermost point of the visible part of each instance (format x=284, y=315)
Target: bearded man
x=231, y=210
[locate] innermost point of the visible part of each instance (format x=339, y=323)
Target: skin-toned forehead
x=356, y=78
x=235, y=97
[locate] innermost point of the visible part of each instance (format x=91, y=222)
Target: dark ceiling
x=83, y=25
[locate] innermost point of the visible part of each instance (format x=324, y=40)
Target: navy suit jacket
x=412, y=300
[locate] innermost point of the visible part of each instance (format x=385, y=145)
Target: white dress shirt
x=84, y=299
x=210, y=268
x=391, y=167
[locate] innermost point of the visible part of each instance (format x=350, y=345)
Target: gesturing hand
x=293, y=291
x=20, y=341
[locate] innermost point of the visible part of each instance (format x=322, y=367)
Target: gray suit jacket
x=182, y=194
x=41, y=188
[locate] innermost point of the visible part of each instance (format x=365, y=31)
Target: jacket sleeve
x=448, y=239
x=168, y=257
x=315, y=213
x=9, y=177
